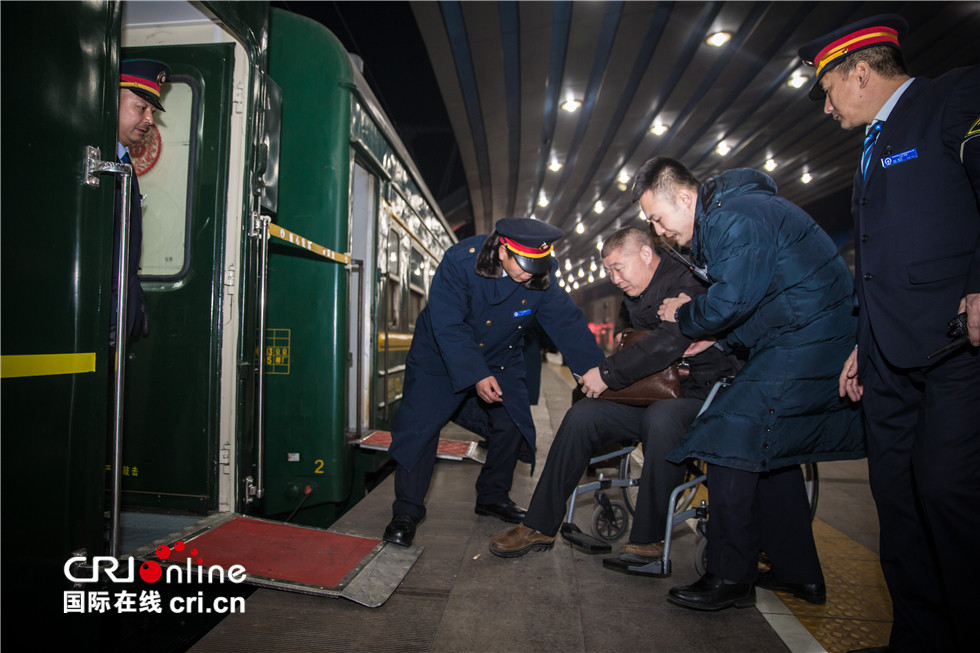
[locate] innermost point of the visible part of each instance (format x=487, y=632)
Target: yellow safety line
x=46, y=365
x=285, y=234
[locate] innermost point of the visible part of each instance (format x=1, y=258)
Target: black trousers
x=923, y=430
x=496, y=476
x=760, y=511
x=592, y=424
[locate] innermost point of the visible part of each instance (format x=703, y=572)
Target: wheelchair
x=615, y=505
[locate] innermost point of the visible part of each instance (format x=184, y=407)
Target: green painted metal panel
x=59, y=95
x=173, y=376
x=308, y=297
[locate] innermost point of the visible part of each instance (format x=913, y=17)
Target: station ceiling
x=504, y=70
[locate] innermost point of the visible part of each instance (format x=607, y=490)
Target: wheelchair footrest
x=655, y=568
x=574, y=535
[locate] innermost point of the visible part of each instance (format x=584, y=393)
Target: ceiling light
x=568, y=264
x=723, y=148
x=602, y=273
x=571, y=106
x=575, y=285
x=592, y=265
x=598, y=243
x=622, y=187
x=658, y=128
x=561, y=282
x=598, y=207
x=806, y=178
x=555, y=165
x=591, y=279
x=719, y=39
x=770, y=165
x=623, y=177
x=580, y=228
x=797, y=80
x=542, y=201
x=580, y=273
x=558, y=273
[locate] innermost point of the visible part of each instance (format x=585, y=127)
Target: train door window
x=164, y=165
x=416, y=286
x=394, y=306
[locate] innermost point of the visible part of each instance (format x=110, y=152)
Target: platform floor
x=459, y=597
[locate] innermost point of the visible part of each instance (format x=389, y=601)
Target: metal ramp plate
x=289, y=557
x=448, y=449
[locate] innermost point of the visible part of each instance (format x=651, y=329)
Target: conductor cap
x=529, y=241
x=828, y=51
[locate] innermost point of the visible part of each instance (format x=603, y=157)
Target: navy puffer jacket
x=780, y=290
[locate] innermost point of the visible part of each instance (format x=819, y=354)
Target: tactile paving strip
x=858, y=612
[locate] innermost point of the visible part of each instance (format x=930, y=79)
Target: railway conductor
x=139, y=99
x=917, y=263
x=466, y=364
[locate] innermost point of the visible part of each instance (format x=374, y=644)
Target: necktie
x=869, y=144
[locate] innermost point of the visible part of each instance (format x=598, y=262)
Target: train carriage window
x=164, y=163
x=416, y=286
x=394, y=304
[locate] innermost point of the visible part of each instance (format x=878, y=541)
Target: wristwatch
x=677, y=314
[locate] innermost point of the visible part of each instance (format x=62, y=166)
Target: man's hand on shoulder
x=592, y=383
x=668, y=309
x=489, y=390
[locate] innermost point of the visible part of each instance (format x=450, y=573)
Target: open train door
x=197, y=387
x=59, y=98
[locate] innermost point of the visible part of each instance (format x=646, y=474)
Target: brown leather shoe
x=519, y=540
x=641, y=553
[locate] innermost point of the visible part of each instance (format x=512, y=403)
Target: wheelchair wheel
x=695, y=468
x=812, y=482
x=627, y=464
x=611, y=524
x=701, y=556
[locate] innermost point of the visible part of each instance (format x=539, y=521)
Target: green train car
x=289, y=242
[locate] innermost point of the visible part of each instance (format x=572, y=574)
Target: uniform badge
x=901, y=157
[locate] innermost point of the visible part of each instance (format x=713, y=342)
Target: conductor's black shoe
x=812, y=592
x=506, y=510
x=401, y=530
x=711, y=593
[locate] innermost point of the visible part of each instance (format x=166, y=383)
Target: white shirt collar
x=121, y=150
x=886, y=108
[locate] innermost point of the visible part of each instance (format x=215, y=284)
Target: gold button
x=519, y=328
x=523, y=301
x=510, y=346
x=489, y=323
x=481, y=345
x=472, y=249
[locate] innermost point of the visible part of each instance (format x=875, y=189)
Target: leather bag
x=665, y=384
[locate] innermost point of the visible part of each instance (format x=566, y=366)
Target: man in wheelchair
x=647, y=276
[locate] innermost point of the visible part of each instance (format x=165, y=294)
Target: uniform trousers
x=760, y=511
x=590, y=425
x=495, y=479
x=923, y=430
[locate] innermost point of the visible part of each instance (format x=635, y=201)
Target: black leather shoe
x=711, y=593
x=401, y=530
x=507, y=511
x=812, y=592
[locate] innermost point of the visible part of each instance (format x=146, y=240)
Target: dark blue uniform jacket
x=780, y=290
x=473, y=328
x=918, y=253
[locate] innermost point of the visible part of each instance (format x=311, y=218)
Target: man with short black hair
x=647, y=276
x=779, y=290
x=466, y=363
x=917, y=264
